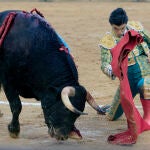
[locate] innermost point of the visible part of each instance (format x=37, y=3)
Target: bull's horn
x=66, y=92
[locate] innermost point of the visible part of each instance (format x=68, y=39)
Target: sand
x=81, y=25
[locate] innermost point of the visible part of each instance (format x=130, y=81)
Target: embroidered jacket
x=139, y=53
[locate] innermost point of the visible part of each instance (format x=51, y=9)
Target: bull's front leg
x=15, y=106
x=14, y=125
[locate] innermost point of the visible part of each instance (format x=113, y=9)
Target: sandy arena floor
x=81, y=25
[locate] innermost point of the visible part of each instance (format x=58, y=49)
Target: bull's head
x=63, y=114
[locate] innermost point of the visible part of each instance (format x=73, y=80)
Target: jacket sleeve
x=146, y=37
x=137, y=26
x=105, y=62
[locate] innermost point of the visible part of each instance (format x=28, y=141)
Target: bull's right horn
x=66, y=92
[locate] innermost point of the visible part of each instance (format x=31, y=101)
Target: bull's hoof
x=1, y=114
x=14, y=130
x=14, y=135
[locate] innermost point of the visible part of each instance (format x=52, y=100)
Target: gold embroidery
x=136, y=51
x=107, y=41
x=131, y=60
x=135, y=25
x=145, y=47
x=147, y=93
x=146, y=87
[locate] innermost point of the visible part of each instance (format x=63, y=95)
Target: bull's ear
x=65, y=93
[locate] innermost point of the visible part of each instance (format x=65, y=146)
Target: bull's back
x=31, y=48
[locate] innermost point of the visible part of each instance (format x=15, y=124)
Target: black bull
x=35, y=64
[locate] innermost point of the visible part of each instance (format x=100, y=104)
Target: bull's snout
x=56, y=133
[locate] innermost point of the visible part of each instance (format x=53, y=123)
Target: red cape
x=136, y=124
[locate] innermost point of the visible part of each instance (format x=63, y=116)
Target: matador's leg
x=115, y=111
x=144, y=88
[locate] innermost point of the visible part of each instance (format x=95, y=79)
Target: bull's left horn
x=66, y=92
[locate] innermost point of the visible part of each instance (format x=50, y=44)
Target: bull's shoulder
x=3, y=14
x=9, y=11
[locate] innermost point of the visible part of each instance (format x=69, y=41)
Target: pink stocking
x=146, y=110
